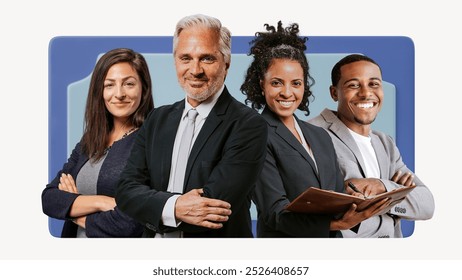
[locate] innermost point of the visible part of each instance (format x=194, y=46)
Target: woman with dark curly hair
x=299, y=155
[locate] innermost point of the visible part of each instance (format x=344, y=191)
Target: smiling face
x=359, y=94
x=200, y=66
x=122, y=91
x=283, y=86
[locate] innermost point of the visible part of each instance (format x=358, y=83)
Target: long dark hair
x=276, y=43
x=99, y=122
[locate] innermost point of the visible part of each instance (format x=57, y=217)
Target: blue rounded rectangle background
x=71, y=62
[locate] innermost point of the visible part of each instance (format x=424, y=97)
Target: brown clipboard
x=320, y=201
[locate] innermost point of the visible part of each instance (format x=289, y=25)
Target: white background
x=26, y=28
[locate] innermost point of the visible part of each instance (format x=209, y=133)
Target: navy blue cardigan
x=114, y=223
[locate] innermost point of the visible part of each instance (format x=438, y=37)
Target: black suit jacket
x=288, y=171
x=113, y=223
x=225, y=161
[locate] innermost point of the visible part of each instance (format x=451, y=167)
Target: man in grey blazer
x=212, y=196
x=370, y=159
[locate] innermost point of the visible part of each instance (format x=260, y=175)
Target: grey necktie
x=183, y=152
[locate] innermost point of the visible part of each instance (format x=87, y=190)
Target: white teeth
x=365, y=105
x=286, y=103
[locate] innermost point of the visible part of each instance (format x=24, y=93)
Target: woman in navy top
x=82, y=193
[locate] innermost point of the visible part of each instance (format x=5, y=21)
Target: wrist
x=99, y=204
x=336, y=225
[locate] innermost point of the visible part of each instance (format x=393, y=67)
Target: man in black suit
x=227, y=153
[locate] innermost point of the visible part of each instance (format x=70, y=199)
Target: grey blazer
x=418, y=205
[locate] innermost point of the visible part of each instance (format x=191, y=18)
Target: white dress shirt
x=203, y=110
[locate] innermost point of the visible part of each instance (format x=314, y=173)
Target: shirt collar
x=205, y=107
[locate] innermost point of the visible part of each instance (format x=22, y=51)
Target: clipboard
x=320, y=201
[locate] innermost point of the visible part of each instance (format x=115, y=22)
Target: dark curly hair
x=276, y=43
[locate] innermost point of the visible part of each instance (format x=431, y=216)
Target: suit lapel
x=214, y=119
x=342, y=134
x=317, y=149
x=382, y=156
x=171, y=127
x=283, y=132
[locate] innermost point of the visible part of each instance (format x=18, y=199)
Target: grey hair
x=208, y=22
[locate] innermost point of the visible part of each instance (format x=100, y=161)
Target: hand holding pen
x=367, y=187
x=355, y=189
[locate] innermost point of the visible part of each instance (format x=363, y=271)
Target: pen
x=353, y=187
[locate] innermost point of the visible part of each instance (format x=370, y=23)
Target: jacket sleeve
x=57, y=203
x=113, y=223
x=419, y=204
x=271, y=198
x=134, y=195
